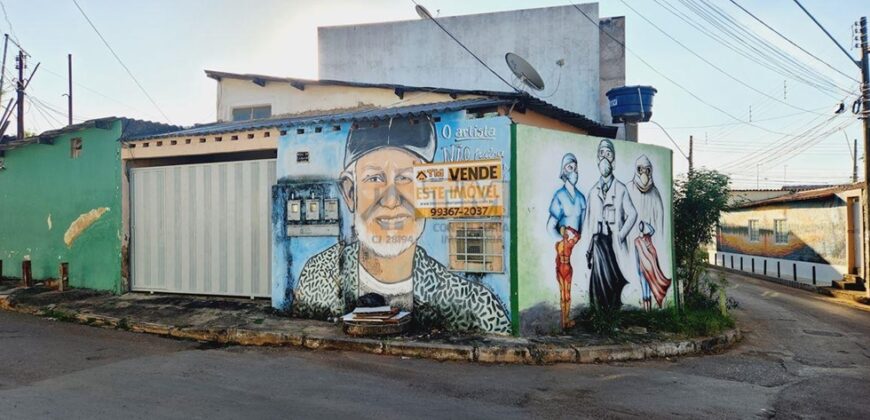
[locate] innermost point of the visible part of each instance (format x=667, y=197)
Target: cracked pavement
x=803, y=356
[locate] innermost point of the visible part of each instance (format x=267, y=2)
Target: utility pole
x=3, y=67
x=865, y=114
x=69, y=95
x=854, y=160
x=21, y=64
x=691, y=154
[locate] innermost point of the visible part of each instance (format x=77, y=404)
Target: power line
x=752, y=42
x=791, y=42
x=464, y=48
x=672, y=81
x=142, y=88
x=687, y=127
x=782, y=70
x=826, y=32
x=778, y=52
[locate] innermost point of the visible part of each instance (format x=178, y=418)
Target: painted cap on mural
x=403, y=133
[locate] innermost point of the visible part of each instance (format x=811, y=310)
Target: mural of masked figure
x=654, y=282
x=377, y=187
x=645, y=195
x=611, y=216
x=567, y=209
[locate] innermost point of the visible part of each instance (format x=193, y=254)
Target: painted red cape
x=648, y=263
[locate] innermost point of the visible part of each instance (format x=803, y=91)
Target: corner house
x=477, y=210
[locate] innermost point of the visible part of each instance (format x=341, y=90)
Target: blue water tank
x=631, y=103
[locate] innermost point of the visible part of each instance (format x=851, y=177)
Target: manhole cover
x=823, y=333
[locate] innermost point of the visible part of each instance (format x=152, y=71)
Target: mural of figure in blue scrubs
x=567, y=210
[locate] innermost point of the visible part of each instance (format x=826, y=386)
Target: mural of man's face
x=384, y=216
x=570, y=171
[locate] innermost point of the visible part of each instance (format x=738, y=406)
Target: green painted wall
x=43, y=191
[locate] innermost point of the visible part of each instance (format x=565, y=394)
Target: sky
x=792, y=136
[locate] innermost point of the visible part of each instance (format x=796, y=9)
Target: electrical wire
x=758, y=60
x=121, y=62
x=672, y=81
x=710, y=63
x=464, y=48
x=762, y=49
x=792, y=42
x=759, y=47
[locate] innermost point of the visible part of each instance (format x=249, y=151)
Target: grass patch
x=691, y=322
x=59, y=315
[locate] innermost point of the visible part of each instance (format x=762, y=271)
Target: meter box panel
x=313, y=209
x=330, y=209
x=294, y=210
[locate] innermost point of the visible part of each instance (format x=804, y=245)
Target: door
x=856, y=256
x=203, y=228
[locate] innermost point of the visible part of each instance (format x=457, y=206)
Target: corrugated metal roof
x=131, y=127
x=802, y=195
x=532, y=102
x=570, y=118
x=362, y=115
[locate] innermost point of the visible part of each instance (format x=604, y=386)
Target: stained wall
x=55, y=208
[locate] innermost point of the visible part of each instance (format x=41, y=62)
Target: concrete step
x=849, y=282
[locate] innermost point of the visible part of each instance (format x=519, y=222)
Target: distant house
x=811, y=236
x=61, y=200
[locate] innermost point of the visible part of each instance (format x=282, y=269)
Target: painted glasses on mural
x=385, y=259
x=622, y=221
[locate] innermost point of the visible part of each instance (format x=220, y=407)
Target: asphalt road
x=803, y=356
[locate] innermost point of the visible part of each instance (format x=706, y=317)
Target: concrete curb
x=511, y=353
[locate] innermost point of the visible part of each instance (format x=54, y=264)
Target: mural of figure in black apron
x=606, y=280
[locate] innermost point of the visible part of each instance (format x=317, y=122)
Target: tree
x=699, y=199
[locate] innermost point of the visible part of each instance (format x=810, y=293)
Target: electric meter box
x=313, y=209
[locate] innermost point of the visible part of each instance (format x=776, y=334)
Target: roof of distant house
x=522, y=99
x=803, y=195
x=130, y=128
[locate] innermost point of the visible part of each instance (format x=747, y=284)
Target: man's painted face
x=570, y=171
x=384, y=188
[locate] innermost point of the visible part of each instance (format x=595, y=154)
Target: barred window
x=252, y=112
x=754, y=235
x=476, y=246
x=780, y=231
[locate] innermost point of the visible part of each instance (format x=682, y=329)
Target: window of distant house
x=754, y=235
x=780, y=231
x=75, y=147
x=476, y=246
x=252, y=112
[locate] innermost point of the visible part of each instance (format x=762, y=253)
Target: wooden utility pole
x=69, y=94
x=21, y=64
x=691, y=154
x=3, y=67
x=854, y=160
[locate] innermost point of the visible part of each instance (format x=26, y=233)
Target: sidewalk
x=254, y=323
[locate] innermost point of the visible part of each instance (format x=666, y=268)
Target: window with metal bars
x=476, y=246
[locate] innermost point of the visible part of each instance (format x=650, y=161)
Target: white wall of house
x=288, y=100
x=790, y=270
x=418, y=53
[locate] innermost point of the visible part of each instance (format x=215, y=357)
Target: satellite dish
x=422, y=12
x=524, y=71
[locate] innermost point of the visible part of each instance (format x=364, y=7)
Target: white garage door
x=202, y=229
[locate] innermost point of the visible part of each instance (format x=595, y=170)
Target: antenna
x=524, y=71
